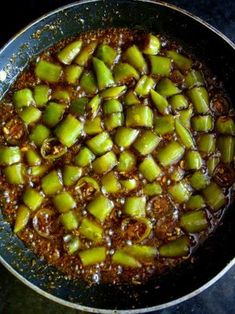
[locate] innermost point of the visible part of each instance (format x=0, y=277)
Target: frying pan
x=216, y=255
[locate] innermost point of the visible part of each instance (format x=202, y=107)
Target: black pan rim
x=131, y=311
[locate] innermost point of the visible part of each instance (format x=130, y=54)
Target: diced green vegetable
x=69, y=220
x=185, y=117
x=72, y=73
x=88, y=82
x=69, y=52
x=195, y=202
x=15, y=174
x=225, y=125
x=180, y=192
x=124, y=137
x=142, y=253
x=30, y=115
x=135, y=206
x=131, y=99
x=71, y=174
x=175, y=248
x=184, y=134
x=93, y=256
x=199, y=180
x=200, y=99
x=112, y=106
x=123, y=259
x=152, y=189
x=68, y=130
x=226, y=145
x=93, y=105
x=110, y=183
x=193, y=160
x=113, y=92
x=78, y=106
x=100, y=143
x=164, y=125
x=106, y=53
x=144, y=85
x=22, y=218
x=194, y=78
x=104, y=163
x=48, y=71
x=167, y=88
x=91, y=230
x=206, y=143
x=61, y=95
x=53, y=114
x=152, y=45
x=124, y=73
x=214, y=196
x=126, y=161
x=170, y=154
x=86, y=53
x=202, y=123
x=9, y=155
x=114, y=120
x=73, y=244
x=160, y=65
x=103, y=74
x=38, y=134
x=32, y=199
x=146, y=142
x=94, y=126
x=160, y=102
x=64, y=202
x=212, y=162
x=133, y=56
x=41, y=95
x=32, y=157
x=84, y=157
x=178, y=102
x=129, y=184
x=100, y=207
x=38, y=171
x=182, y=62
x=23, y=98
x=149, y=169
x=52, y=183
x=139, y=116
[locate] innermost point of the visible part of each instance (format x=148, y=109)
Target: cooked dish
x=116, y=155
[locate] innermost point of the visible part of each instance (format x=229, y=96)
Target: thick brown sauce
x=162, y=212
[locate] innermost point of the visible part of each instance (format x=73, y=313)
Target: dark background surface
x=16, y=297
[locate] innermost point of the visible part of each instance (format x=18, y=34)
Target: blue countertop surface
x=16, y=297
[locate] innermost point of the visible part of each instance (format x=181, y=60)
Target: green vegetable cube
x=100, y=143
x=69, y=220
x=91, y=230
x=149, y=169
x=124, y=137
x=135, y=206
x=15, y=174
x=64, y=202
x=110, y=183
x=51, y=183
x=104, y=163
x=38, y=134
x=23, y=98
x=180, y=192
x=32, y=198
x=100, y=207
x=146, y=142
x=69, y=130
x=84, y=157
